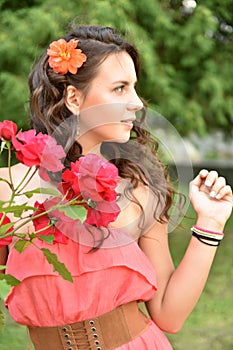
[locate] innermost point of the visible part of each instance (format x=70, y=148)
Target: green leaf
x=57, y=265
x=51, y=191
x=17, y=210
x=21, y=245
x=11, y=280
x=4, y=289
x=22, y=235
x=48, y=239
x=75, y=212
x=5, y=228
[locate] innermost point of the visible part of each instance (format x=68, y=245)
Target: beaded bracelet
x=208, y=237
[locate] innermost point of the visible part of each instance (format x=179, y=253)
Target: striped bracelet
x=208, y=237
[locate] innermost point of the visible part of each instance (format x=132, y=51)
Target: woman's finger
x=223, y=192
x=211, y=178
x=218, y=185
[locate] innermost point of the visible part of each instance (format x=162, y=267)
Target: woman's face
x=108, y=110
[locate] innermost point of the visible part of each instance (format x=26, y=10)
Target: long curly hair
x=136, y=159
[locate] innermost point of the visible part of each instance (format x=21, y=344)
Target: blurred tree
x=185, y=46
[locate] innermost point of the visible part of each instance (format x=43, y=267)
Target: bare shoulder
x=152, y=205
x=137, y=208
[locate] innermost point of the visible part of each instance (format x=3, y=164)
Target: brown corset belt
x=105, y=332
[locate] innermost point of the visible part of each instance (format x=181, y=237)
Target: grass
x=210, y=324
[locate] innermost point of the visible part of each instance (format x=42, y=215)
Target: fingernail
x=208, y=183
x=213, y=194
x=218, y=196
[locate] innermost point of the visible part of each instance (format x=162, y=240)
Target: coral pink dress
x=115, y=274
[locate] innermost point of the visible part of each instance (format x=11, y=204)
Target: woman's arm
x=179, y=289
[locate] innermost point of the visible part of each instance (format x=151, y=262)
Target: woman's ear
x=73, y=99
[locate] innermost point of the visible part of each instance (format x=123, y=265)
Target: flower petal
x=64, y=57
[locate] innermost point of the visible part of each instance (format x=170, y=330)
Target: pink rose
x=38, y=150
x=94, y=179
x=8, y=129
x=102, y=214
x=92, y=176
x=7, y=240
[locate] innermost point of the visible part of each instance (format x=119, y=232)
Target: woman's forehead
x=117, y=67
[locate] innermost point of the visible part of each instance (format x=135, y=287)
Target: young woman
x=91, y=107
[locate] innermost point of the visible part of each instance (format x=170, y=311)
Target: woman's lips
x=128, y=121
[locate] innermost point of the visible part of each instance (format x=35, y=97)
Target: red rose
x=39, y=150
x=102, y=214
x=7, y=240
x=94, y=179
x=70, y=184
x=8, y=129
x=98, y=178
x=92, y=176
x=60, y=224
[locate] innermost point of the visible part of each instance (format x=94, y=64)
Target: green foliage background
x=186, y=58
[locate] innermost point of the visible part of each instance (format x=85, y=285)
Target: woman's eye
x=119, y=88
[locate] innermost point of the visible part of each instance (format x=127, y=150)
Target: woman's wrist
x=210, y=224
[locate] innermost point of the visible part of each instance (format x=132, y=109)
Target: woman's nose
x=135, y=104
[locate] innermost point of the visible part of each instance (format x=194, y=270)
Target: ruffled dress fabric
x=115, y=274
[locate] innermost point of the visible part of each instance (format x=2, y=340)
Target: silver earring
x=78, y=124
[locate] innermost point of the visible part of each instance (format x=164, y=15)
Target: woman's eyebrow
x=124, y=82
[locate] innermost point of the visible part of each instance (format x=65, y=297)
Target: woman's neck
x=88, y=148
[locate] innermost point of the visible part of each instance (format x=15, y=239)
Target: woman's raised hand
x=211, y=198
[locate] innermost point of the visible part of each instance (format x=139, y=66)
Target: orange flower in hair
x=64, y=57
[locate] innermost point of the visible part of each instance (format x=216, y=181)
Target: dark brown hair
x=137, y=159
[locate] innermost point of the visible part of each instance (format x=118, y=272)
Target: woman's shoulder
x=144, y=195
x=137, y=207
